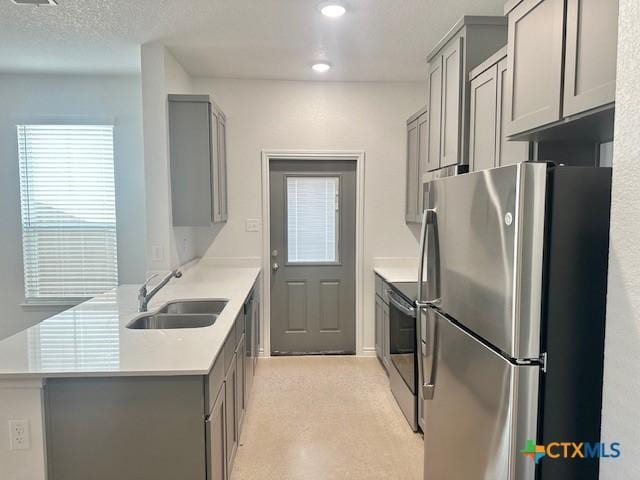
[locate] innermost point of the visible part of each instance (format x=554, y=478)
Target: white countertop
x=397, y=269
x=91, y=339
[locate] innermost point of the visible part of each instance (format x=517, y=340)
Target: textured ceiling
x=377, y=40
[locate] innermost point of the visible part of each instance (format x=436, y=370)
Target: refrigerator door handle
x=423, y=244
x=430, y=218
x=429, y=384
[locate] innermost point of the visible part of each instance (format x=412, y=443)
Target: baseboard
x=368, y=352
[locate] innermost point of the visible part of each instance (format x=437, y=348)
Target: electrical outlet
x=19, y=435
x=252, y=225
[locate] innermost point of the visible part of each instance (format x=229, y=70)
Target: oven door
x=402, y=339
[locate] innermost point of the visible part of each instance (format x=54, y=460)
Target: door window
x=312, y=219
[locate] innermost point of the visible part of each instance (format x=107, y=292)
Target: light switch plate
x=19, y=435
x=156, y=253
x=252, y=225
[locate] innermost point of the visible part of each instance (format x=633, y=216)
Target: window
x=312, y=219
x=68, y=210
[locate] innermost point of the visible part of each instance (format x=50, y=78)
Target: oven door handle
x=410, y=311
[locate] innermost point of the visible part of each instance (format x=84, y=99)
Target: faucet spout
x=144, y=296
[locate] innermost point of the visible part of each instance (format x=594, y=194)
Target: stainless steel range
x=403, y=374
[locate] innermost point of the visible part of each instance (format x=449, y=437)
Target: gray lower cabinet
x=470, y=42
x=149, y=428
x=231, y=412
x=241, y=386
x=198, y=161
x=382, y=322
x=216, y=439
x=488, y=146
x=562, y=61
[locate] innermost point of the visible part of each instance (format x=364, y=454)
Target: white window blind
x=312, y=219
x=68, y=210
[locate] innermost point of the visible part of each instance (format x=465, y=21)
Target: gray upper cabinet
x=417, y=146
x=197, y=149
x=484, y=103
x=434, y=114
x=470, y=42
x=535, y=63
x=591, y=52
x=562, y=61
x=489, y=91
x=412, y=171
x=451, y=102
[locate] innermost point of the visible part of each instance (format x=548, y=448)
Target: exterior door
x=313, y=218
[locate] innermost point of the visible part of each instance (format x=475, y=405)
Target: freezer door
x=484, y=253
x=481, y=412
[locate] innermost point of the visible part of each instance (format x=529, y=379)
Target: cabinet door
x=452, y=80
x=590, y=55
x=230, y=413
x=219, y=166
x=378, y=326
x=241, y=393
x=385, y=336
x=216, y=438
x=434, y=114
x=482, y=129
x=423, y=154
x=535, y=64
x=411, y=203
x=507, y=152
x=222, y=154
x=190, y=157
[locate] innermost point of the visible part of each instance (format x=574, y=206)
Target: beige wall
x=325, y=116
x=621, y=416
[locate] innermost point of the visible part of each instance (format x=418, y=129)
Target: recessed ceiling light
x=332, y=10
x=321, y=67
x=37, y=3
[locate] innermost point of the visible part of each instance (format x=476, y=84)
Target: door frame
x=357, y=156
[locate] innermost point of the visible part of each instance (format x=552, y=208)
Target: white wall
x=162, y=75
x=74, y=98
x=621, y=416
x=319, y=115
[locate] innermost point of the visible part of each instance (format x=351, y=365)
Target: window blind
x=68, y=210
x=312, y=217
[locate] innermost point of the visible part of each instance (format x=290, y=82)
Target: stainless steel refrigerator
x=511, y=303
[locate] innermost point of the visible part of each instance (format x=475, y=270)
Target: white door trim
x=351, y=155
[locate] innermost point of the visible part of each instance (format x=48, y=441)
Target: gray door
x=312, y=248
x=482, y=136
x=479, y=411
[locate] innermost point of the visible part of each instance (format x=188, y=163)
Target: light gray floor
x=325, y=418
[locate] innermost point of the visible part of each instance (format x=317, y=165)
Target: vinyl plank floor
x=325, y=418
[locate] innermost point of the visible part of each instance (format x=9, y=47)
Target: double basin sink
x=181, y=314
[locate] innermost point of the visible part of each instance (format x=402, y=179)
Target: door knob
x=275, y=266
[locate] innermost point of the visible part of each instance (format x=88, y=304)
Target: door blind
x=68, y=210
x=312, y=217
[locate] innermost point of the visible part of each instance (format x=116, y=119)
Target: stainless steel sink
x=181, y=314
x=194, y=306
x=169, y=320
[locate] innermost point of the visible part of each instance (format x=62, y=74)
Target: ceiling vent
x=37, y=3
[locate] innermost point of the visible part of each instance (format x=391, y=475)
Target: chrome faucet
x=144, y=297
